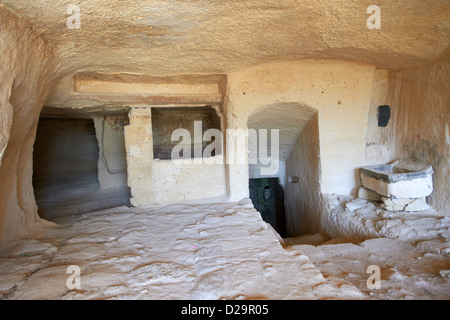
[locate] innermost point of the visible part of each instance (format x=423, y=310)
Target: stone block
x=410, y=205
x=140, y=116
x=396, y=201
x=398, y=182
x=419, y=204
x=364, y=193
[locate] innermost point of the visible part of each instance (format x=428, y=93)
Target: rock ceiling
x=209, y=36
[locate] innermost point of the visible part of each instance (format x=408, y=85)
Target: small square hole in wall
x=384, y=114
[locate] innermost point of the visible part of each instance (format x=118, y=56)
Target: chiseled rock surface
x=160, y=37
x=178, y=251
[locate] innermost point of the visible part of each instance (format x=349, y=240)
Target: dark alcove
x=267, y=196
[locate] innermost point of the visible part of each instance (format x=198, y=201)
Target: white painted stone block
x=394, y=182
x=419, y=204
x=409, y=205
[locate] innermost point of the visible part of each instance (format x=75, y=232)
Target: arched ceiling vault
x=211, y=36
x=289, y=118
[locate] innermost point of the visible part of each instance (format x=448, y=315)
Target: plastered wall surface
x=161, y=181
x=380, y=140
x=174, y=181
x=420, y=99
x=112, y=164
x=339, y=90
x=303, y=198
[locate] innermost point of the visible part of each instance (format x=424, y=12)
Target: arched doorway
x=293, y=207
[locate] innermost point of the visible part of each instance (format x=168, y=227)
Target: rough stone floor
x=69, y=194
x=179, y=251
x=207, y=251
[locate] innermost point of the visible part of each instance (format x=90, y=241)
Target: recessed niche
x=166, y=120
x=384, y=114
x=65, y=160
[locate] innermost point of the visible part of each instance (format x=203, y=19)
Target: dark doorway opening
x=78, y=164
x=65, y=160
x=267, y=196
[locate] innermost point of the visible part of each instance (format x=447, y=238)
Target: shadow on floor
x=71, y=195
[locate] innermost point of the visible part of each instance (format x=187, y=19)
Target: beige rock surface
x=316, y=54
x=27, y=71
x=161, y=37
x=179, y=251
